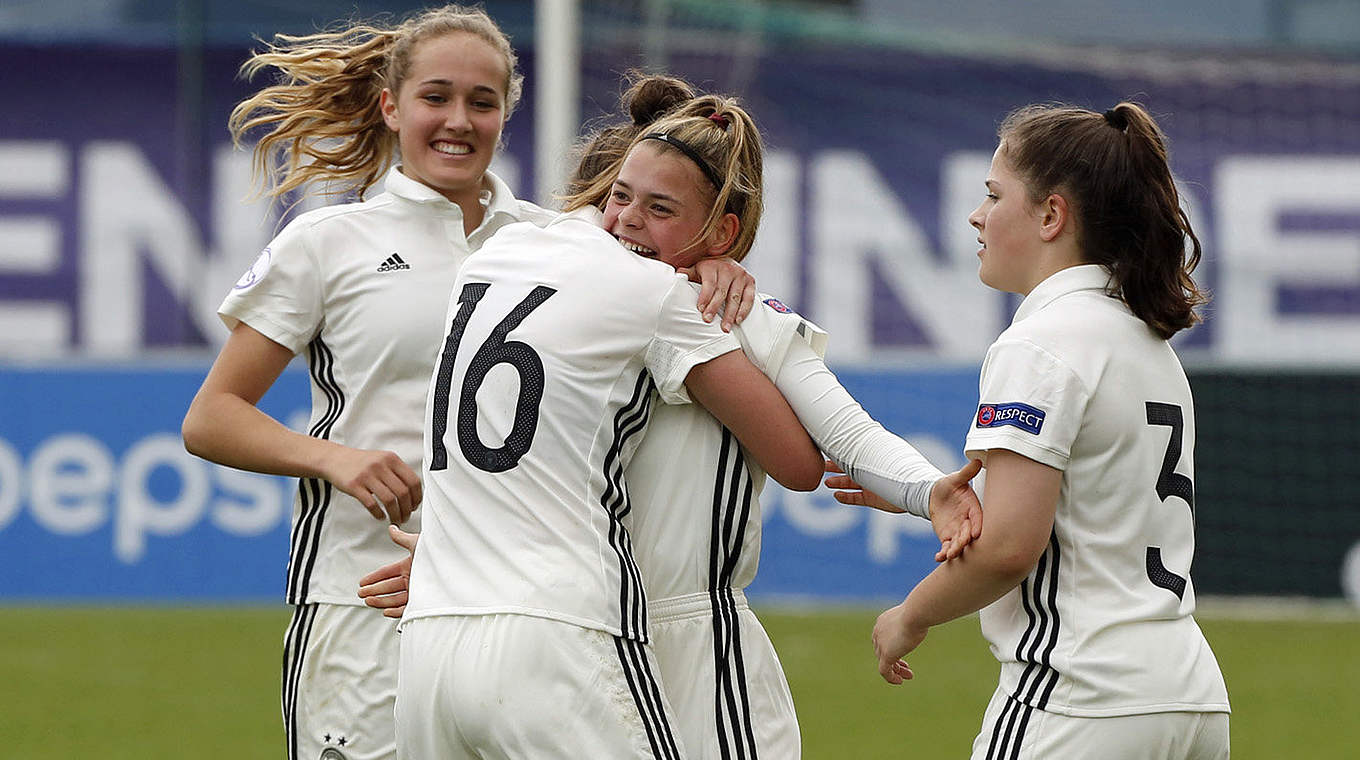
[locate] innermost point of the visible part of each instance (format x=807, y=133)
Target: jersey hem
x=581, y=622
x=695, y=605
x=313, y=598
x=1041, y=454
x=1114, y=712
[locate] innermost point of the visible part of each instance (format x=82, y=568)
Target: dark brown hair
x=1114, y=171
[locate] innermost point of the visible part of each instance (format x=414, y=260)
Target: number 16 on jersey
x=494, y=350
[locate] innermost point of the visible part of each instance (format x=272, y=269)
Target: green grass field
x=203, y=683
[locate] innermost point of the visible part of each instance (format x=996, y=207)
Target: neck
x=473, y=214
x=1055, y=260
x=470, y=201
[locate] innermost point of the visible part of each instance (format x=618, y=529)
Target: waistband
x=693, y=605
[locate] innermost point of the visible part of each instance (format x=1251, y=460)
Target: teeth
x=452, y=149
x=638, y=249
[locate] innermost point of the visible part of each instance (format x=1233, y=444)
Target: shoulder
x=320, y=218
x=1088, y=323
x=533, y=213
x=503, y=201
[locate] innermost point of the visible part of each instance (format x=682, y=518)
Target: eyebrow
x=991, y=184
x=449, y=83
x=657, y=196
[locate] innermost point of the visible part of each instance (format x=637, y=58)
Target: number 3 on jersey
x=494, y=350
x=1169, y=483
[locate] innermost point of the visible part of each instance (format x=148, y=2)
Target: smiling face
x=448, y=113
x=1008, y=226
x=658, y=205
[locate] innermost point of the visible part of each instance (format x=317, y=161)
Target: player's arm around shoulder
x=747, y=403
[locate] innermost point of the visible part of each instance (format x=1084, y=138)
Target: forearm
x=1021, y=499
x=960, y=587
x=875, y=458
x=228, y=430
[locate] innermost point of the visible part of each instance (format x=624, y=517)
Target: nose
x=456, y=117
x=629, y=216
x=975, y=218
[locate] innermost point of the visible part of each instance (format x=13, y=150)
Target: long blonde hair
x=324, y=125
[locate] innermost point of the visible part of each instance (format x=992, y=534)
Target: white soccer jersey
x=1103, y=624
x=558, y=340
x=696, y=518
x=362, y=288
x=696, y=528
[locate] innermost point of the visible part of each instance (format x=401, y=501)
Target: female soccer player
x=526, y=630
x=696, y=524
x=361, y=288
x=683, y=210
x=1086, y=427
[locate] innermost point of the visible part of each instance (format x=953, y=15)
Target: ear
x=387, y=104
x=724, y=235
x=1054, y=217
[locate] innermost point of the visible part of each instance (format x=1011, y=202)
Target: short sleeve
x=280, y=295
x=1029, y=402
x=683, y=340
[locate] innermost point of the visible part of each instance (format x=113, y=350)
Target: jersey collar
x=406, y=188
x=1061, y=283
x=496, y=196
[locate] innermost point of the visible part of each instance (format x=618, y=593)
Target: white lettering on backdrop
x=832, y=225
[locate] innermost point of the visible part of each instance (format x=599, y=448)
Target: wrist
x=918, y=497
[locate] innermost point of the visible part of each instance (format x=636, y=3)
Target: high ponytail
x=647, y=99
x=1114, y=170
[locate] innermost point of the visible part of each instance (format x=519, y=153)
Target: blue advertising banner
x=100, y=501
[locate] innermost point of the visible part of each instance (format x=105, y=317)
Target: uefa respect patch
x=1015, y=414
x=774, y=303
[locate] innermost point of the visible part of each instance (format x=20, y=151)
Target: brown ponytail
x=1114, y=170
x=647, y=99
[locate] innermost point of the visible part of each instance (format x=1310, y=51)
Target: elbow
x=189, y=432
x=1015, y=563
x=802, y=476
x=194, y=432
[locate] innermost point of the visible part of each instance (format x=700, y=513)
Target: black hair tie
x=1116, y=119
x=693, y=155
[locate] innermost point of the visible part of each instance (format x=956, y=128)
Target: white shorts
x=1013, y=731
x=340, y=683
x=508, y=687
x=723, y=678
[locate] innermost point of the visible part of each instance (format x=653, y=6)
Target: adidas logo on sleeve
x=393, y=262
